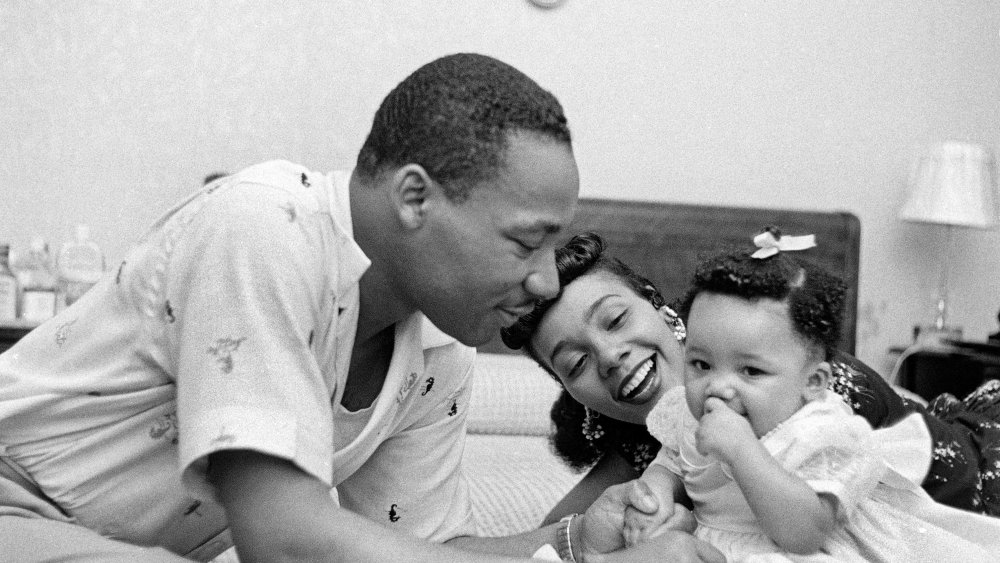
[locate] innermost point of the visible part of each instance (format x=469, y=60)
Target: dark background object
x=956, y=367
x=663, y=241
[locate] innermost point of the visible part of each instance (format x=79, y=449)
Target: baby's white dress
x=882, y=513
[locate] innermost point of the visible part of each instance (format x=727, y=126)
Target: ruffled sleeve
x=906, y=449
x=831, y=450
x=668, y=422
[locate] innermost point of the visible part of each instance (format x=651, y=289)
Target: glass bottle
x=80, y=265
x=8, y=286
x=38, y=282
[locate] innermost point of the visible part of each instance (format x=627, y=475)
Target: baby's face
x=747, y=354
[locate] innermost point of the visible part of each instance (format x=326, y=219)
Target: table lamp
x=953, y=184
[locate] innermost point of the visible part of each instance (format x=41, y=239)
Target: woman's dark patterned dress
x=965, y=463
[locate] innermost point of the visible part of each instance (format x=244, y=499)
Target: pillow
x=511, y=394
x=514, y=481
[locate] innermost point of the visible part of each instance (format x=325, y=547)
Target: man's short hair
x=453, y=116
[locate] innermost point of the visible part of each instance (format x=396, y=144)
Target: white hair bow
x=769, y=245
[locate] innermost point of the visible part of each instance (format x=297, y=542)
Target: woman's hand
x=721, y=431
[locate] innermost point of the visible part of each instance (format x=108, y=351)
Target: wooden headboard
x=663, y=241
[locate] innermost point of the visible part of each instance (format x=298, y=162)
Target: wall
x=112, y=111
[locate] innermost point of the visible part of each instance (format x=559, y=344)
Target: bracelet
x=564, y=543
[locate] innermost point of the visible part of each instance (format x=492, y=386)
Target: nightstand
x=12, y=331
x=956, y=367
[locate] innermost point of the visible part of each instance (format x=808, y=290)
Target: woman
x=615, y=347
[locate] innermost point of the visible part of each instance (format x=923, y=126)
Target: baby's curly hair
x=453, y=115
x=815, y=297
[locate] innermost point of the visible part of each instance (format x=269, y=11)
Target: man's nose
x=542, y=281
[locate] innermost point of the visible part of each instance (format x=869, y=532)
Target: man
x=271, y=337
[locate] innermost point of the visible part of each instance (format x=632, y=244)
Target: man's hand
x=601, y=526
x=665, y=486
x=673, y=546
x=640, y=527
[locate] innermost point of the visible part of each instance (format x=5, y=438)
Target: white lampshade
x=953, y=183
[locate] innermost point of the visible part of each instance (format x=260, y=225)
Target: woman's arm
x=866, y=392
x=612, y=469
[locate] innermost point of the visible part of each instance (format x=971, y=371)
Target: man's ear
x=411, y=190
x=818, y=380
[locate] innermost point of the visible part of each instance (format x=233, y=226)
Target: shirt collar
x=353, y=261
x=432, y=336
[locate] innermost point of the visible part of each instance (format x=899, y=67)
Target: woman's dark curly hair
x=815, y=297
x=453, y=117
x=585, y=254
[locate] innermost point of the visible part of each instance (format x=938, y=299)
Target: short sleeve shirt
x=230, y=326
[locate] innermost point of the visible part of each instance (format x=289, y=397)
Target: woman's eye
x=617, y=321
x=577, y=367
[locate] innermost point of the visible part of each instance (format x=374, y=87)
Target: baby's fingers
x=681, y=521
x=636, y=526
x=632, y=536
x=714, y=404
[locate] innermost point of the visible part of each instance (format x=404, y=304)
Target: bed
x=513, y=476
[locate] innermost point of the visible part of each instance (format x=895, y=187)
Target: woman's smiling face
x=611, y=349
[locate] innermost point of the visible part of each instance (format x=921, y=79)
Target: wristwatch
x=564, y=542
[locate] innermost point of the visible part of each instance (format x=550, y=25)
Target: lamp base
x=934, y=335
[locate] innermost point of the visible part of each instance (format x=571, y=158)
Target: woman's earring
x=676, y=324
x=592, y=429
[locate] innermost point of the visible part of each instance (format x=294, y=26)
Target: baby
x=776, y=467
